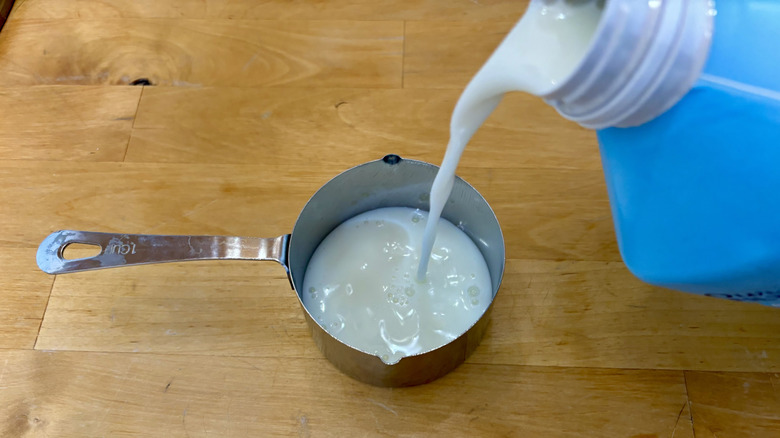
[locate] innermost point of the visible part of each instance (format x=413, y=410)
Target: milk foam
x=541, y=50
x=360, y=284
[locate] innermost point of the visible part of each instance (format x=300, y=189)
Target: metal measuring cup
x=389, y=182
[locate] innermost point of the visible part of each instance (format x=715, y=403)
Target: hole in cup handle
x=76, y=251
x=52, y=259
x=51, y=252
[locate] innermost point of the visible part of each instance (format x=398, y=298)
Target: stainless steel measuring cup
x=389, y=182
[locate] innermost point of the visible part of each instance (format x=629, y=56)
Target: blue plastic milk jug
x=685, y=98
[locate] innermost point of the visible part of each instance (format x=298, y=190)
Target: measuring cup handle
x=138, y=249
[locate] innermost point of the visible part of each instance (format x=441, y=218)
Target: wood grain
x=211, y=308
x=448, y=54
x=218, y=125
x=97, y=394
x=563, y=214
x=162, y=199
x=24, y=291
x=274, y=9
x=5, y=9
x=596, y=314
x=730, y=405
x=246, y=53
x=66, y=123
x=562, y=314
x=259, y=104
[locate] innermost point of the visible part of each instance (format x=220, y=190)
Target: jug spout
x=601, y=64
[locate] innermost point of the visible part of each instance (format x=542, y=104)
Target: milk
x=539, y=52
x=360, y=284
x=395, y=281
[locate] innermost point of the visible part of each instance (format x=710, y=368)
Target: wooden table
x=252, y=107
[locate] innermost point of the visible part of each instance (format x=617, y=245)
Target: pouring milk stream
x=404, y=290
x=684, y=98
x=542, y=49
x=687, y=121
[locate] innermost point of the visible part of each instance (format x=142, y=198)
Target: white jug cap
x=644, y=57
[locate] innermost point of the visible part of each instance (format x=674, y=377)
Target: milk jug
x=684, y=96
